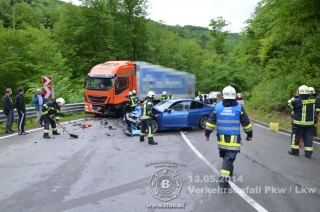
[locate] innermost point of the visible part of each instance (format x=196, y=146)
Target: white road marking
x=282, y=132
x=40, y=128
x=239, y=191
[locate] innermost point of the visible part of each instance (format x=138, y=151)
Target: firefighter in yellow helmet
x=228, y=115
x=50, y=109
x=304, y=108
x=146, y=122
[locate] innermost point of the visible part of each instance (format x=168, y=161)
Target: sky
x=200, y=12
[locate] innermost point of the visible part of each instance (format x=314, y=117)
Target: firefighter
x=134, y=93
x=49, y=109
x=313, y=93
x=146, y=115
x=304, y=109
x=164, y=96
x=170, y=96
x=228, y=115
x=132, y=101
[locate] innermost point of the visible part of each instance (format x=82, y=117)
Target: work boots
x=293, y=153
x=141, y=138
x=46, y=135
x=224, y=182
x=153, y=143
x=55, y=133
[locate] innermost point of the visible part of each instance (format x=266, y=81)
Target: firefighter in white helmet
x=228, y=115
x=50, y=109
x=164, y=96
x=146, y=115
x=304, y=108
x=134, y=93
x=132, y=101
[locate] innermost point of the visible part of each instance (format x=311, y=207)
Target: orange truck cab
x=108, y=84
x=107, y=87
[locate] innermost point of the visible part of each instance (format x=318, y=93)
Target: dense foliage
x=276, y=53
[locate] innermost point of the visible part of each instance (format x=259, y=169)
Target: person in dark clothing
x=132, y=102
x=200, y=96
x=8, y=110
x=49, y=109
x=304, y=110
x=21, y=108
x=205, y=98
x=228, y=115
x=146, y=123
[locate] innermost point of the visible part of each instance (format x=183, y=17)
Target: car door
x=177, y=117
x=195, y=113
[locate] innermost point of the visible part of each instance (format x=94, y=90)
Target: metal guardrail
x=32, y=113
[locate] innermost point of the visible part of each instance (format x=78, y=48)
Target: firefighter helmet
x=134, y=92
x=130, y=93
x=164, y=93
x=303, y=89
x=229, y=92
x=311, y=90
x=151, y=94
x=60, y=101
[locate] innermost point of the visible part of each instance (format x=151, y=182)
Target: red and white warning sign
x=48, y=92
x=46, y=80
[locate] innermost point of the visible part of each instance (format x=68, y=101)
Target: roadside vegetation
x=276, y=52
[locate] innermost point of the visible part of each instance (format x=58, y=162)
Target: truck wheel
x=202, y=122
x=121, y=112
x=154, y=125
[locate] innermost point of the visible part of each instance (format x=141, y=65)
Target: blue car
x=180, y=113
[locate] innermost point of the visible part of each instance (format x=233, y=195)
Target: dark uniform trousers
x=146, y=124
x=307, y=134
x=229, y=157
x=47, y=120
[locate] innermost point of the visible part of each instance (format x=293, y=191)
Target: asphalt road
x=105, y=170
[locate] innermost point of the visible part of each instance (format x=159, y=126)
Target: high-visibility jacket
x=51, y=108
x=133, y=101
x=170, y=97
x=304, y=110
x=163, y=97
x=228, y=120
x=146, y=109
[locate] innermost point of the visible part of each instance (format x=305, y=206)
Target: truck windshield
x=99, y=83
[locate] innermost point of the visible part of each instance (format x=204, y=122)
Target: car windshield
x=99, y=83
x=161, y=106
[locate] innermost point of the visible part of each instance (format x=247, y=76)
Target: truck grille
x=97, y=99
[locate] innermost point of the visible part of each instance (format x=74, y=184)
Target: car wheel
x=203, y=121
x=154, y=125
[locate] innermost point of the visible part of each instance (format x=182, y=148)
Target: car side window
x=177, y=107
x=199, y=105
x=193, y=105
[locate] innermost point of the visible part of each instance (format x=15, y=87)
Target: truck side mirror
x=126, y=96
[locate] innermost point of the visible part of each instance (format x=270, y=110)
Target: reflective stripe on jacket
x=146, y=109
x=51, y=108
x=228, y=119
x=304, y=109
x=133, y=101
x=228, y=126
